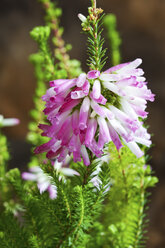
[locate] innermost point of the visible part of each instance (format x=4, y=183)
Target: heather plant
x=88, y=178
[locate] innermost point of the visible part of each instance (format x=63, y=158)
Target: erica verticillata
x=87, y=112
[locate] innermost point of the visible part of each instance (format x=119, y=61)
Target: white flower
x=8, y=121
x=96, y=180
x=43, y=181
x=61, y=167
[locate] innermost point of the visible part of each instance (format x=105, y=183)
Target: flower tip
x=10, y=122
x=52, y=192
x=16, y=121
x=28, y=176
x=139, y=60
x=140, y=154
x=152, y=98
x=50, y=154
x=40, y=126
x=51, y=83
x=86, y=163
x=119, y=146
x=93, y=74
x=82, y=17
x=36, y=150
x=23, y=175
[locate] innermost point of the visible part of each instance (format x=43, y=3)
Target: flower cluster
x=87, y=112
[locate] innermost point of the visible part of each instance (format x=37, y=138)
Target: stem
x=95, y=34
x=95, y=43
x=80, y=221
x=141, y=213
x=94, y=4
x=97, y=48
x=81, y=218
x=67, y=203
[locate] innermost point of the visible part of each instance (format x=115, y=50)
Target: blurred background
x=141, y=25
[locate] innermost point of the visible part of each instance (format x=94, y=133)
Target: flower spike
x=87, y=112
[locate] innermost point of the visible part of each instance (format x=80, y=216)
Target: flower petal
x=135, y=149
x=84, y=112
x=29, y=176
x=85, y=156
x=81, y=80
x=96, y=89
x=93, y=74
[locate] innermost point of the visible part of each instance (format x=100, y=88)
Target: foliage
x=4, y=154
x=42, y=222
x=4, y=157
x=124, y=214
x=64, y=66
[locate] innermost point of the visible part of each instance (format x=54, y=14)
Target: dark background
x=141, y=24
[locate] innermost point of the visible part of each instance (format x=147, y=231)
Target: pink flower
x=87, y=112
x=44, y=182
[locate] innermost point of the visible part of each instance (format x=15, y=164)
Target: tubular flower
x=8, y=121
x=43, y=181
x=87, y=112
x=95, y=179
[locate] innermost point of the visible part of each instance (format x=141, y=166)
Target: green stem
x=81, y=217
x=67, y=203
x=92, y=26
x=95, y=34
x=94, y=4
x=140, y=219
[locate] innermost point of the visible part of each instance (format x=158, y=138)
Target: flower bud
x=82, y=17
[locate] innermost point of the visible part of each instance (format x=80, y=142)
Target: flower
x=8, y=121
x=87, y=112
x=44, y=182
x=96, y=181
x=62, y=168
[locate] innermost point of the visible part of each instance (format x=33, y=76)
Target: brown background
x=141, y=25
